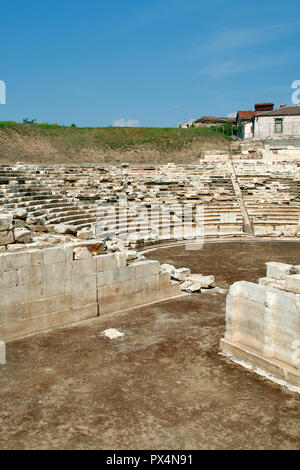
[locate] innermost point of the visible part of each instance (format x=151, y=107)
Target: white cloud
x=231, y=115
x=176, y=106
x=123, y=123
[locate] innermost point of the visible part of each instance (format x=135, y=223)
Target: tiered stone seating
x=155, y=197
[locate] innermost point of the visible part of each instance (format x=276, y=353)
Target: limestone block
x=245, y=321
x=105, y=262
x=84, y=266
x=248, y=290
x=191, y=286
x=5, y=222
x=82, y=253
x=292, y=283
x=205, y=281
x=20, y=294
x=57, y=271
x=8, y=279
x=272, y=283
x=105, y=277
x=181, y=274
x=85, y=234
x=11, y=261
x=264, y=230
x=22, y=235
x=146, y=268
x=168, y=268
x=65, y=229
x=54, y=255
x=130, y=255
x=6, y=237
x=124, y=274
x=278, y=270
x=52, y=287
x=120, y=259
x=30, y=275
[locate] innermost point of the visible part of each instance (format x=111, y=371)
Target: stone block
x=82, y=253
x=22, y=235
x=82, y=267
x=105, y=262
x=8, y=279
x=6, y=222
x=30, y=275
x=248, y=290
x=146, y=268
x=6, y=237
x=181, y=274
x=278, y=270
x=54, y=255
x=52, y=287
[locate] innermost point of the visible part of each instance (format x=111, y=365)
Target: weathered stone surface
x=22, y=235
x=191, y=286
x=95, y=247
x=205, y=281
x=85, y=234
x=5, y=222
x=6, y=237
x=82, y=253
x=292, y=283
x=65, y=229
x=181, y=274
x=168, y=268
x=278, y=270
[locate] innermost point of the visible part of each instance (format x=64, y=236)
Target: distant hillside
x=43, y=143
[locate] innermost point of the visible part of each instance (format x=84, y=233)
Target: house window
x=278, y=125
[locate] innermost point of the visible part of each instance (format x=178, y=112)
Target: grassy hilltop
x=46, y=143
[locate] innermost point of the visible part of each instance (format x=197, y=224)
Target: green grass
x=117, y=138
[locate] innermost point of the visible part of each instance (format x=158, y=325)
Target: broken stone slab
x=167, y=268
x=191, y=286
x=206, y=282
x=278, y=270
x=65, y=229
x=112, y=333
x=181, y=274
x=22, y=235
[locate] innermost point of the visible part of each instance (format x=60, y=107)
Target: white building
x=283, y=122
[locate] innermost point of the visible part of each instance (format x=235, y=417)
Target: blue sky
x=145, y=62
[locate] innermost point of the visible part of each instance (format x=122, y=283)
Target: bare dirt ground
x=162, y=386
